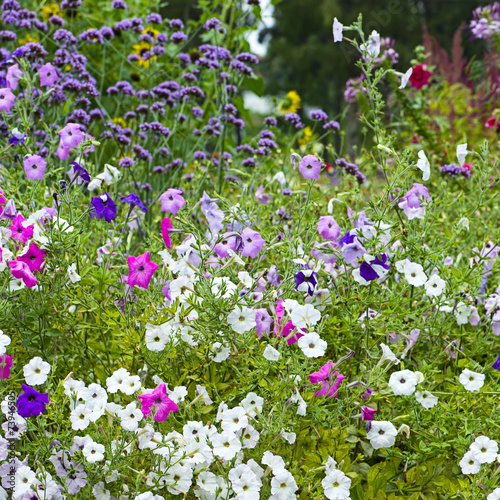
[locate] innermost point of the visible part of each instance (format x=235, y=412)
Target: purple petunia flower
x=16, y=138
x=328, y=228
x=80, y=171
x=103, y=207
x=412, y=201
x=141, y=270
x=134, y=201
x=7, y=99
x=48, y=75
x=5, y=366
x=306, y=280
x=31, y=403
x=252, y=243
x=496, y=364
x=159, y=399
x=172, y=201
x=13, y=75
x=34, y=166
x=375, y=269
x=310, y=167
x=33, y=258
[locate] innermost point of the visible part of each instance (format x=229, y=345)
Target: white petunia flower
x=337, y=30
x=484, y=449
x=72, y=274
x=312, y=345
x=4, y=342
x=388, y=354
x=252, y=404
x=242, y=319
x=372, y=47
x=382, y=434
x=405, y=78
x=494, y=495
x=80, y=417
x=462, y=153
x=471, y=381
x=93, y=452
x=220, y=352
x=225, y=445
x=249, y=437
x=24, y=479
x=469, y=464
x=336, y=485
x=414, y=274
x=271, y=354
x=304, y=316
x=462, y=313
x=423, y=164
x=130, y=417
x=403, y=383
x=434, y=286
x=426, y=399
x=275, y=462
x=234, y=419
x=36, y=371
x=283, y=485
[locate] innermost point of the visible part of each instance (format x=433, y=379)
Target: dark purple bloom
x=31, y=403
x=347, y=239
x=16, y=138
x=80, y=171
x=371, y=271
x=103, y=207
x=306, y=280
x=134, y=201
x=496, y=364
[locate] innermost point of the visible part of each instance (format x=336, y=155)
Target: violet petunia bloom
x=19, y=232
x=306, y=280
x=48, y=75
x=9, y=211
x=80, y=172
x=166, y=225
x=103, y=207
x=33, y=258
x=70, y=136
x=13, y=75
x=310, y=167
x=21, y=270
x=412, y=203
x=352, y=251
x=159, y=399
x=172, y=201
x=7, y=99
x=263, y=320
x=34, y=166
x=5, y=366
x=141, y=270
x=252, y=243
x=222, y=249
x=496, y=364
x=134, y=201
x=328, y=228
x=375, y=269
x=367, y=414
x=17, y=137
x=31, y=403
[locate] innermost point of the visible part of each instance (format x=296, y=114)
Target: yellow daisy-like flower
x=27, y=39
x=50, y=10
x=120, y=121
x=140, y=49
x=306, y=136
x=150, y=31
x=291, y=103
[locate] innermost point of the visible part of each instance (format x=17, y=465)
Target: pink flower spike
x=367, y=413
x=172, y=201
x=159, y=399
x=13, y=75
x=33, y=258
x=310, y=167
x=141, y=270
x=252, y=243
x=166, y=225
x=48, y=75
x=34, y=166
x=19, y=232
x=21, y=270
x=7, y=99
x=5, y=366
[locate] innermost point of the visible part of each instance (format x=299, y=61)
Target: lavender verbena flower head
x=486, y=21
x=413, y=202
x=332, y=125
x=212, y=23
x=354, y=88
x=31, y=403
x=119, y=4
x=318, y=115
x=294, y=118
x=351, y=168
x=454, y=170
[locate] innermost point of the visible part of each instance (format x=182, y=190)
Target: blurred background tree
x=302, y=56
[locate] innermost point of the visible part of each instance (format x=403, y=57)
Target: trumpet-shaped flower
x=141, y=270
x=162, y=403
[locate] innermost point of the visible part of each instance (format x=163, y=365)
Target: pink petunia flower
x=329, y=385
x=48, y=75
x=7, y=99
x=19, y=232
x=166, y=225
x=34, y=166
x=21, y=270
x=328, y=228
x=172, y=201
x=284, y=330
x=5, y=366
x=141, y=270
x=420, y=76
x=13, y=75
x=159, y=399
x=252, y=243
x=367, y=413
x=71, y=136
x=33, y=258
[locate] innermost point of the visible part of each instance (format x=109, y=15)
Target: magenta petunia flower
x=252, y=243
x=172, y=201
x=328, y=228
x=310, y=167
x=322, y=374
x=21, y=270
x=71, y=136
x=19, y=232
x=141, y=270
x=5, y=366
x=34, y=166
x=367, y=413
x=13, y=75
x=166, y=225
x=33, y=258
x=420, y=76
x=159, y=399
x=7, y=99
x=48, y=75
